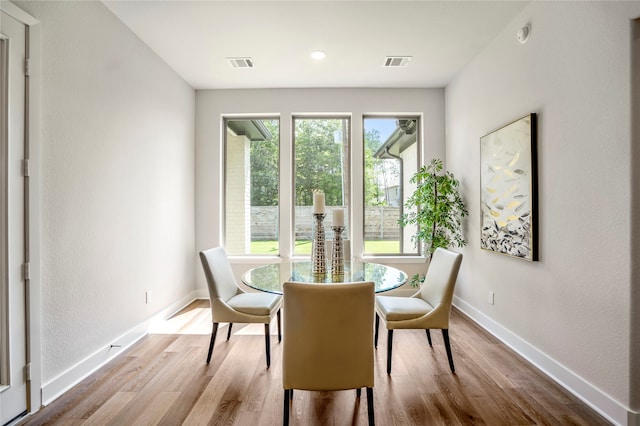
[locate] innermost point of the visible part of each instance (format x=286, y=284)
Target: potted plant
x=437, y=209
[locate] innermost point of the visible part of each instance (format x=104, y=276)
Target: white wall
x=634, y=376
x=117, y=190
x=572, y=307
x=211, y=105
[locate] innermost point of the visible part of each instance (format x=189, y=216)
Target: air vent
x=397, y=61
x=241, y=62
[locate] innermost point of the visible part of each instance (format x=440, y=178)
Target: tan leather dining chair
x=229, y=303
x=429, y=308
x=328, y=339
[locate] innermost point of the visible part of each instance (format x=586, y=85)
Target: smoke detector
x=396, y=61
x=241, y=62
x=523, y=34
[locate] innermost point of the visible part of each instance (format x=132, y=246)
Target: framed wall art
x=508, y=189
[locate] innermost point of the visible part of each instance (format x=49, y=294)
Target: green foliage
x=372, y=191
x=319, y=160
x=265, y=166
x=437, y=208
x=318, y=164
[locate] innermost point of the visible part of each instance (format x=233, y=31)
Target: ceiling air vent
x=396, y=61
x=241, y=62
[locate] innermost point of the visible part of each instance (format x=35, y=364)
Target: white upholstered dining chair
x=429, y=308
x=328, y=339
x=229, y=303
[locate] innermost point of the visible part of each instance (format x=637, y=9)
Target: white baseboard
x=609, y=408
x=203, y=293
x=65, y=381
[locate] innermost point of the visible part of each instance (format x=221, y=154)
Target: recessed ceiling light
x=318, y=55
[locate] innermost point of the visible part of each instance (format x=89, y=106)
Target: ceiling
x=196, y=37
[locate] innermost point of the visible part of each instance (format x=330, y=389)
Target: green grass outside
x=304, y=247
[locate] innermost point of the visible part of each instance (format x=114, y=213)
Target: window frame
x=286, y=183
x=347, y=174
x=223, y=201
x=418, y=252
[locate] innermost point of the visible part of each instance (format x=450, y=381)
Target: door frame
x=32, y=202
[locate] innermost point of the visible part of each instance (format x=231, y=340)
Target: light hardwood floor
x=164, y=380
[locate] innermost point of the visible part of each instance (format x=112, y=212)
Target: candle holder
x=318, y=254
x=337, y=253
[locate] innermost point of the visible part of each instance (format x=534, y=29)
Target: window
x=252, y=152
x=321, y=148
x=321, y=161
x=391, y=158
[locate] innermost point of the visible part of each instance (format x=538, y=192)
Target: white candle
x=318, y=202
x=338, y=217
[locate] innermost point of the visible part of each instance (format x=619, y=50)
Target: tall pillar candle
x=318, y=202
x=338, y=217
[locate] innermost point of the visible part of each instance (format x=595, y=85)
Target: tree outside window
x=321, y=147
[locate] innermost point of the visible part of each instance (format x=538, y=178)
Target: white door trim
x=32, y=201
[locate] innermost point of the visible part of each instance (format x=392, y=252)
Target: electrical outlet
x=491, y=298
x=147, y=296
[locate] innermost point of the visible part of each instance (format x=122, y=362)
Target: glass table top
x=269, y=278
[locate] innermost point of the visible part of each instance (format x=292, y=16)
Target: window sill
x=262, y=259
x=257, y=259
x=394, y=259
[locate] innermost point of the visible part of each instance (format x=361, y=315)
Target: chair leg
x=279, y=327
x=229, y=331
x=428, y=337
x=372, y=420
x=213, y=339
x=287, y=401
x=375, y=338
x=447, y=345
x=267, y=342
x=358, y=392
x=389, y=350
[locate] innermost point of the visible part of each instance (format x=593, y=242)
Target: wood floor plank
x=157, y=409
x=109, y=409
x=190, y=383
x=73, y=404
x=164, y=380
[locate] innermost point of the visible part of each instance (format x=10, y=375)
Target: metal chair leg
x=428, y=336
x=447, y=345
x=279, y=327
x=358, y=392
x=229, y=331
x=267, y=341
x=372, y=420
x=287, y=401
x=375, y=338
x=389, y=350
x=213, y=339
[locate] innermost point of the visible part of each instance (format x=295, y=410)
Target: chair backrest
x=220, y=279
x=441, y=277
x=328, y=337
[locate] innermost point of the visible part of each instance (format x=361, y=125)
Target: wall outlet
x=147, y=296
x=491, y=298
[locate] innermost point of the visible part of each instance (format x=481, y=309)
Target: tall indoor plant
x=437, y=209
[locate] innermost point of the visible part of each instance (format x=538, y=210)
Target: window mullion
x=286, y=187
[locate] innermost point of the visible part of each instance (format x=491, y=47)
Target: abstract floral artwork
x=508, y=189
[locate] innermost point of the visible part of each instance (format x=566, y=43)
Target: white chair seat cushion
x=402, y=308
x=254, y=303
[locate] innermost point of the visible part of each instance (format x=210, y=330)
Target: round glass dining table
x=270, y=277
